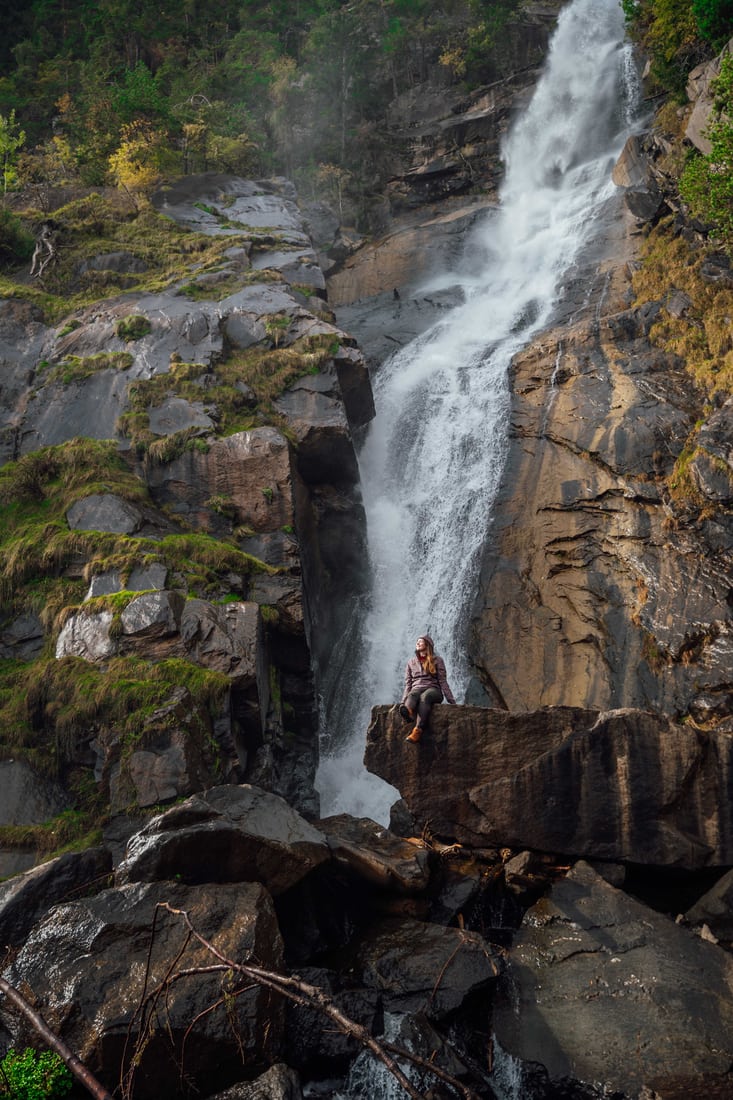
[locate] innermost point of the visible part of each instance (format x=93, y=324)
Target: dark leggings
x=423, y=702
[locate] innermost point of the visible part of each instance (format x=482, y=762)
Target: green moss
x=682, y=486
x=35, y=494
x=48, y=707
x=222, y=505
x=75, y=369
x=94, y=225
x=70, y=831
x=167, y=448
x=208, y=290
x=654, y=656
x=133, y=327
x=37, y=547
x=275, y=691
x=265, y=372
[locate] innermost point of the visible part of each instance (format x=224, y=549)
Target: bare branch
x=295, y=989
x=74, y=1064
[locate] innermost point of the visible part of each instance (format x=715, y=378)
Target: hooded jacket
x=419, y=679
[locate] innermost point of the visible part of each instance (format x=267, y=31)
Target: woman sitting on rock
x=425, y=685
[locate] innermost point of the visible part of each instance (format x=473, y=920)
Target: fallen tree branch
x=51, y=1039
x=310, y=996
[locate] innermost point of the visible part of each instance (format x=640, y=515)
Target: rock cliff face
x=599, y=586
x=213, y=556
x=620, y=786
x=235, y=551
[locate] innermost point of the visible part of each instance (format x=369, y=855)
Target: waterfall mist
x=433, y=458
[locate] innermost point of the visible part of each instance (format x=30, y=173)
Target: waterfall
x=431, y=464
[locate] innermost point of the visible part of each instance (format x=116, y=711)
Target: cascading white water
x=432, y=461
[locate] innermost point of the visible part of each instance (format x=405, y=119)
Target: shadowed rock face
x=226, y=834
x=601, y=988
x=92, y=1006
x=621, y=785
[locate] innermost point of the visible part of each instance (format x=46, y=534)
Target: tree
x=714, y=19
x=707, y=181
x=334, y=178
x=12, y=138
x=142, y=158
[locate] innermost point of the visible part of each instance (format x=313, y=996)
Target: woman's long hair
x=429, y=656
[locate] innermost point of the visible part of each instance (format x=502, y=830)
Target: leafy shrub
x=714, y=20
x=32, y=1076
x=707, y=181
x=16, y=243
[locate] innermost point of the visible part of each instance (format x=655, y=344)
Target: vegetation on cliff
x=130, y=93
x=694, y=324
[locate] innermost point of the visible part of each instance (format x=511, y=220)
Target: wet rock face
x=599, y=988
x=422, y=968
x=25, y=898
x=625, y=785
x=227, y=834
x=133, y=944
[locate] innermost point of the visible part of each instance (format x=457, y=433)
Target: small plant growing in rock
x=222, y=505
x=276, y=327
x=27, y=1075
x=70, y=326
x=133, y=327
x=268, y=494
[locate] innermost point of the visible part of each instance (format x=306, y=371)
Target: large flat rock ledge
x=622, y=785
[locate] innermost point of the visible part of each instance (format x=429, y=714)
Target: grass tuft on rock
x=701, y=334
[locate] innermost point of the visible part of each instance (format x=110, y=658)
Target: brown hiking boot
x=415, y=735
x=406, y=714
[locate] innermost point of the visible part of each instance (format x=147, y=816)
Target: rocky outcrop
x=99, y=966
x=26, y=898
x=699, y=93
x=635, y=172
x=590, y=593
x=446, y=142
x=622, y=785
x=401, y=957
x=601, y=989
x=445, y=167
x=152, y=371
x=377, y=855
x=132, y=944
x=227, y=834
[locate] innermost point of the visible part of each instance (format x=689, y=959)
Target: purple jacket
x=418, y=679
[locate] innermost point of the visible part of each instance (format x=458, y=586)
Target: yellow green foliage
x=37, y=546
x=142, y=158
x=94, y=225
x=75, y=368
x=266, y=371
x=706, y=183
x=703, y=336
x=47, y=706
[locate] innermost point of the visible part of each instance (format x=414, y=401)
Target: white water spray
x=432, y=462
